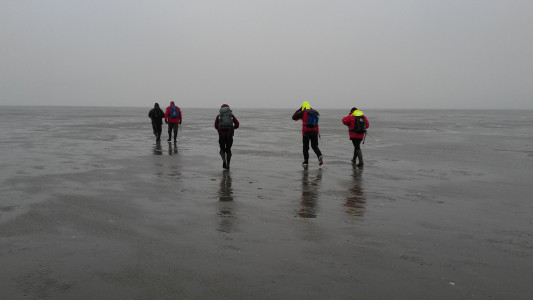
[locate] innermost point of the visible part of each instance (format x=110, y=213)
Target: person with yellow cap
x=310, y=131
x=357, y=125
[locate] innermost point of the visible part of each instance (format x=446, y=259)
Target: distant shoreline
x=277, y=108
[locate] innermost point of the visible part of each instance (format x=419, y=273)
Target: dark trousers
x=225, y=142
x=357, y=149
x=158, y=128
x=356, y=143
x=310, y=136
x=173, y=127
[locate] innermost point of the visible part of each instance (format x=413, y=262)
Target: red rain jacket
x=302, y=115
x=168, y=119
x=349, y=121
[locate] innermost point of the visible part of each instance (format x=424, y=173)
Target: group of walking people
x=172, y=117
x=226, y=123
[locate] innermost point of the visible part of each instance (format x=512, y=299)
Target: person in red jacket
x=173, y=118
x=310, y=131
x=357, y=125
x=225, y=124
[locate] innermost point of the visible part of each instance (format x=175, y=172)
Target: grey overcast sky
x=461, y=54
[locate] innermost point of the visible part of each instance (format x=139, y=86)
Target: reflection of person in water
x=157, y=149
x=225, y=192
x=309, y=199
x=172, y=149
x=226, y=204
x=356, y=200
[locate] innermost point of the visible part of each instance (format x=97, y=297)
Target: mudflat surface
x=91, y=207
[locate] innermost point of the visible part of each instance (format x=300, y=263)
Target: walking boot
x=360, y=156
x=228, y=155
x=223, y=155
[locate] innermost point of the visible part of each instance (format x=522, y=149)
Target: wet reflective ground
x=92, y=207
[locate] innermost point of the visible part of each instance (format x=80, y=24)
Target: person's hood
x=305, y=105
x=224, y=105
x=224, y=109
x=357, y=113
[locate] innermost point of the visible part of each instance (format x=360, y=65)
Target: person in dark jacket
x=173, y=118
x=310, y=132
x=157, y=115
x=225, y=124
x=357, y=133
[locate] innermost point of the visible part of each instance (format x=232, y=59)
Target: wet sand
x=91, y=212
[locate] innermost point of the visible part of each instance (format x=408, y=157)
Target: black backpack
x=156, y=114
x=159, y=114
x=360, y=126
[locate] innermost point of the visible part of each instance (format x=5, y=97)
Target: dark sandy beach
x=92, y=208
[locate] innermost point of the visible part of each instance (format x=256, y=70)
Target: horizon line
x=248, y=107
